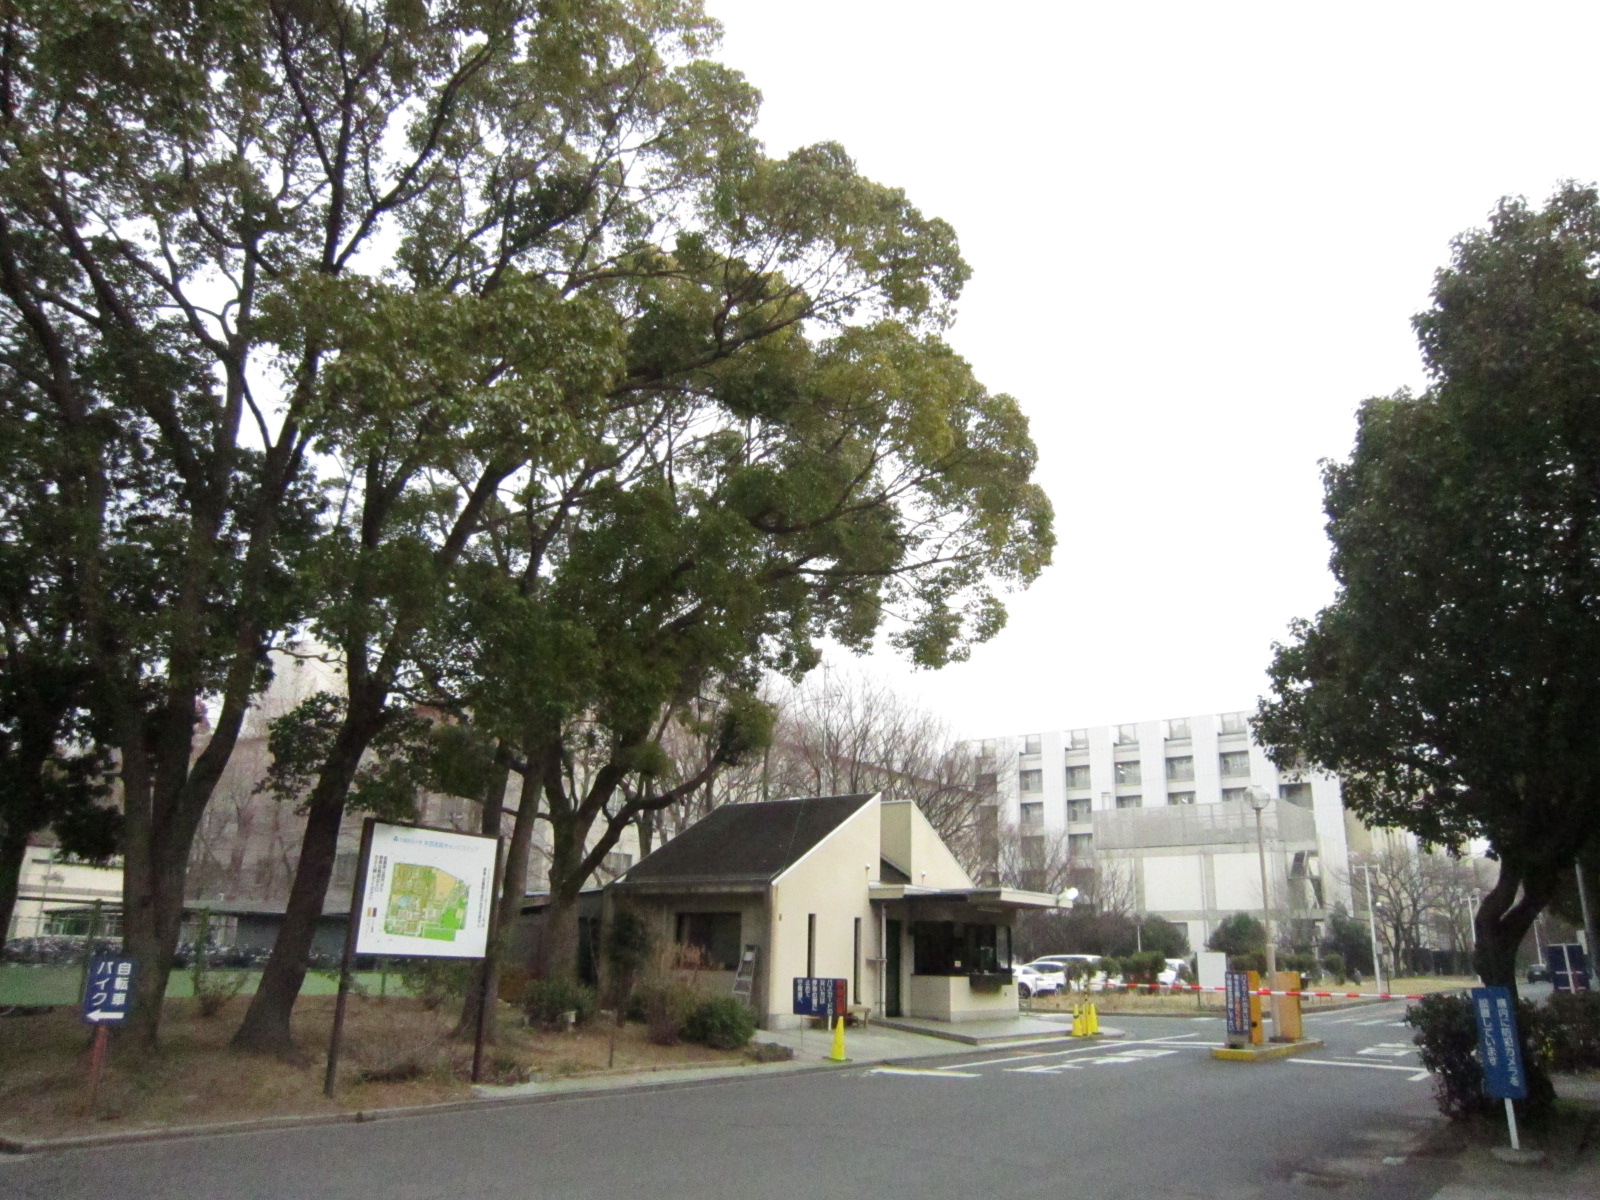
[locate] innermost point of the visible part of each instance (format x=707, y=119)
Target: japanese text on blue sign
x=1499, y=1049
x=108, y=992
x=818, y=997
x=1238, y=1002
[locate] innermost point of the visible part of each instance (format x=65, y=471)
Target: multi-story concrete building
x=1166, y=806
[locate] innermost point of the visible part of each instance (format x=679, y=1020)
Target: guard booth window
x=715, y=935
x=946, y=948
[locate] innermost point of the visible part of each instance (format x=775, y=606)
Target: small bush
x=1333, y=966
x=435, y=980
x=1571, y=1025
x=1447, y=1040
x=766, y=1052
x=548, y=1001
x=1142, y=968
x=213, y=990
x=721, y=1022
x=665, y=1005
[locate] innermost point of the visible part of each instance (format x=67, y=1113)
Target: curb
x=1265, y=1053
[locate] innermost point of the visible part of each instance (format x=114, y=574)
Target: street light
x=1259, y=799
x=1372, y=926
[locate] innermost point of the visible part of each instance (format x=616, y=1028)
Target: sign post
x=107, y=992
x=1244, y=1010
x=1500, y=1051
x=419, y=893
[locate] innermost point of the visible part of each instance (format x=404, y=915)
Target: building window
x=988, y=783
x=1234, y=764
x=616, y=863
x=1234, y=722
x=1130, y=801
x=1033, y=814
x=1180, y=769
x=1030, y=744
x=1127, y=772
x=1178, y=729
x=1296, y=793
x=1078, y=777
x=946, y=948
x=1078, y=739
x=1030, y=781
x=1077, y=811
x=715, y=935
x=1180, y=797
x=1080, y=845
x=1231, y=794
x=1127, y=735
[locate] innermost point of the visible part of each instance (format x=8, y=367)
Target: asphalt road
x=1152, y=1117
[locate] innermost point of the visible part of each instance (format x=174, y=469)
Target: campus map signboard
x=428, y=893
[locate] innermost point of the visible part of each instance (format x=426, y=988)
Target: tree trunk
x=266, y=1028
x=558, y=949
x=13, y=850
x=493, y=807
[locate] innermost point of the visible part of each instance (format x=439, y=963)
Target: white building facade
x=1167, y=806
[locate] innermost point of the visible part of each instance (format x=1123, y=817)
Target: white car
x=1174, y=971
x=1037, y=979
x=1080, y=965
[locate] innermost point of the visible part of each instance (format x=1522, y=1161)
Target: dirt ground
x=1134, y=1003
x=395, y=1053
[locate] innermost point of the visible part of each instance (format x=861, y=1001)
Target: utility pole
x=1259, y=799
x=1372, y=926
x=1589, y=941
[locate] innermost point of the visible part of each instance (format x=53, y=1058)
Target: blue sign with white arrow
x=1499, y=1048
x=108, y=992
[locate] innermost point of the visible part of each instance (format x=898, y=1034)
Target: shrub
x=1142, y=968
x=548, y=1001
x=721, y=1022
x=1333, y=966
x=213, y=989
x=1447, y=1040
x=1571, y=1027
x=435, y=980
x=1238, y=935
x=664, y=1004
x=1248, y=962
x=766, y=1052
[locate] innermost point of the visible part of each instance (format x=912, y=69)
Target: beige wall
x=913, y=845
x=830, y=882
x=953, y=998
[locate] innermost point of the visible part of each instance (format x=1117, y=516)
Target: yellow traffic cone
x=1093, y=1021
x=838, y=1042
x=1077, y=1022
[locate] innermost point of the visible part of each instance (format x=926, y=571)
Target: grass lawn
x=36, y=985
x=396, y=1053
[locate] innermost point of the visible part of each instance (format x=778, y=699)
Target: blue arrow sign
x=108, y=992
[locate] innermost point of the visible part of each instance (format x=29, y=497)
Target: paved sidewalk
x=1570, y=1169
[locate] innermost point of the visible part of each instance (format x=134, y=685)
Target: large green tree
x=1454, y=682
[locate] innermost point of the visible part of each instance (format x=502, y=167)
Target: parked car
x=1038, y=979
x=1538, y=973
x=1078, y=966
x=1173, y=972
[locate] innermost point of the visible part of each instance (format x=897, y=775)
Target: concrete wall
x=911, y=843
x=953, y=998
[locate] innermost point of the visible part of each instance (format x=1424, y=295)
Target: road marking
x=1389, y=1050
x=941, y=1073
x=1328, y=1062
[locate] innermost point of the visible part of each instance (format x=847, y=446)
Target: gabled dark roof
x=745, y=843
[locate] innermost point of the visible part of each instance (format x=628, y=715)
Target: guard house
x=845, y=887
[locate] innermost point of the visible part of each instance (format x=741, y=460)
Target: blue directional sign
x=108, y=992
x=818, y=997
x=1499, y=1049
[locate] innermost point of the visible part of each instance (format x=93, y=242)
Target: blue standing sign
x=1499, y=1048
x=108, y=992
x=815, y=996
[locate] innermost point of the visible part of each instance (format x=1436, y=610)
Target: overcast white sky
x=1198, y=233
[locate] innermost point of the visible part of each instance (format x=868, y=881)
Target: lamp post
x=1372, y=926
x=1259, y=799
